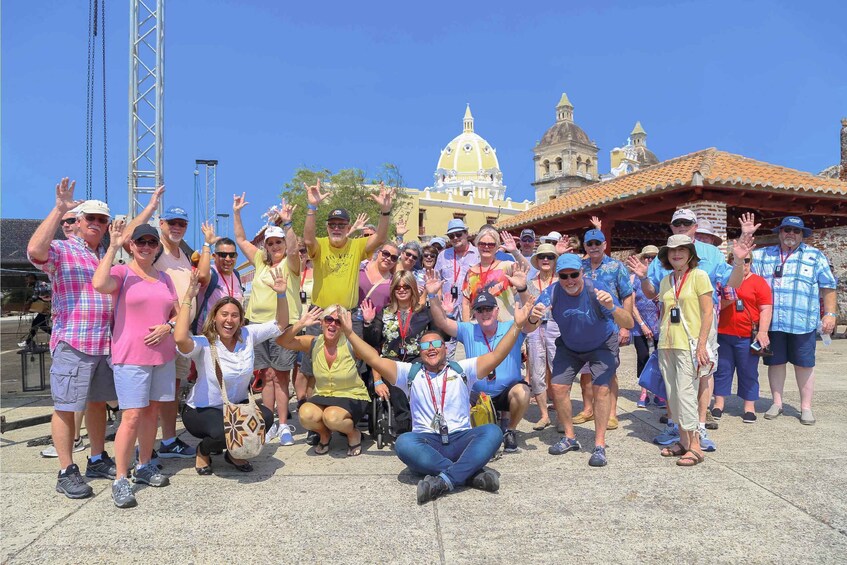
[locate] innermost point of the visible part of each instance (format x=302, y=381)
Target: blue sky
x=265, y=87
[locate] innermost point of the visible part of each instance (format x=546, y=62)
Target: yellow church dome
x=468, y=154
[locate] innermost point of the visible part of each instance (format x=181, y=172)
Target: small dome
x=468, y=153
x=644, y=156
x=562, y=132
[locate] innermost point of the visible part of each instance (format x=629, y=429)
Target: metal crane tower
x=146, y=95
x=205, y=192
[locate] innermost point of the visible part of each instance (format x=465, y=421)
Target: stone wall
x=833, y=243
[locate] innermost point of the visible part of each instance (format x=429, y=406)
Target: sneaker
x=177, y=450
x=773, y=412
x=51, y=451
x=272, y=432
x=711, y=422
x=806, y=417
x=486, y=480
x=749, y=418
x=72, y=485
x=598, y=457
x=149, y=475
x=103, y=468
x=667, y=437
x=660, y=402
x=563, y=446
x=154, y=458
x=705, y=443
x=122, y=494
x=510, y=441
x=643, y=402
x=430, y=488
x=663, y=419
x=285, y=431
x=581, y=418
x=717, y=414
x=313, y=438
x=23, y=344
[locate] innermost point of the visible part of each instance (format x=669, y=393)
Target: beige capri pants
x=682, y=383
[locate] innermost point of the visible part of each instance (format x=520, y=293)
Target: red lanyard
x=227, y=285
x=404, y=331
x=303, y=277
x=483, y=277
x=488, y=345
x=538, y=282
x=456, y=269
x=678, y=289
x=784, y=259
x=432, y=390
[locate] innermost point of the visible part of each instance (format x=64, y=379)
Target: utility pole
x=205, y=193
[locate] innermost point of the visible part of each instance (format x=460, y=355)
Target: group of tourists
x=347, y=320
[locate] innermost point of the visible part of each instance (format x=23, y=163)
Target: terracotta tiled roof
x=717, y=168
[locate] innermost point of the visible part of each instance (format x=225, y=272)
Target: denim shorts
x=269, y=354
x=602, y=363
x=137, y=385
x=797, y=349
x=77, y=379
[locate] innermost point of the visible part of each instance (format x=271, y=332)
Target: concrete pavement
x=774, y=492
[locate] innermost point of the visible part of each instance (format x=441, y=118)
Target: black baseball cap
x=339, y=214
x=145, y=229
x=483, y=299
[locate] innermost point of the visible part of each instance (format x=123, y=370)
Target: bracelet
x=386, y=213
x=189, y=304
x=528, y=319
x=379, y=382
x=642, y=279
x=312, y=207
x=432, y=295
x=287, y=225
x=833, y=314
x=642, y=323
x=280, y=295
x=521, y=289
x=612, y=310
x=207, y=244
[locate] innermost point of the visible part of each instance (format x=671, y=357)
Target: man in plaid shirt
x=799, y=276
x=80, y=376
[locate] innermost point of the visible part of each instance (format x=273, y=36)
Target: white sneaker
x=272, y=432
x=51, y=451
x=285, y=437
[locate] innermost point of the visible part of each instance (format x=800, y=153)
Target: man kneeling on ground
x=442, y=445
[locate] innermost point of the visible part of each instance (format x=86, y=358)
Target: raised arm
x=38, y=247
x=144, y=216
x=204, y=265
x=292, y=257
x=433, y=289
x=246, y=247
x=290, y=338
x=315, y=197
x=103, y=281
x=384, y=200
x=489, y=361
x=511, y=247
x=182, y=335
x=639, y=269
x=280, y=285
x=386, y=368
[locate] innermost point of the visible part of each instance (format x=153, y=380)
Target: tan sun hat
x=649, y=250
x=543, y=249
x=705, y=227
x=678, y=240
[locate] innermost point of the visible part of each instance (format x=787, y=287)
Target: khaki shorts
x=77, y=379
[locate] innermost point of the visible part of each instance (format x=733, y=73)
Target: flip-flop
x=541, y=425
x=354, y=450
x=690, y=459
x=322, y=448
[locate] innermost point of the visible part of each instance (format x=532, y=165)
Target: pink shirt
x=139, y=304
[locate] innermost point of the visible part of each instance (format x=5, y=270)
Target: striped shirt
x=81, y=315
x=796, y=294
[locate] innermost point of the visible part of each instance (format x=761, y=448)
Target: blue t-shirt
x=508, y=372
x=711, y=260
x=584, y=323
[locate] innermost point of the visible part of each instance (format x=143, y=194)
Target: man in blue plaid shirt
x=799, y=276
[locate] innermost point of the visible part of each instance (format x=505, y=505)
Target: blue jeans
x=456, y=462
x=734, y=357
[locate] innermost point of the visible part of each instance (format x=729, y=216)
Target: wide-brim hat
x=678, y=240
x=543, y=249
x=649, y=250
x=793, y=222
x=705, y=227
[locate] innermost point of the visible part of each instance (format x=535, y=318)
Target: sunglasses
x=436, y=343
x=484, y=309
x=792, y=230
x=69, y=221
x=430, y=256
x=91, y=218
x=336, y=226
x=403, y=287
x=227, y=254
x=678, y=223
x=747, y=260
x=177, y=223
x=486, y=245
x=527, y=240
x=566, y=276
x=410, y=255
x=146, y=242
x=274, y=241
x=593, y=243
x=330, y=320
x=456, y=235
x=388, y=255
x=546, y=257
x=649, y=257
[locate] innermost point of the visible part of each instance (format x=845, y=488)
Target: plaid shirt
x=81, y=315
x=613, y=274
x=796, y=294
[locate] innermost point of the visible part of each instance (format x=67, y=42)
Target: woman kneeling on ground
x=340, y=398
x=234, y=342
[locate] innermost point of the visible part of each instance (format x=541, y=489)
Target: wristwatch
x=172, y=325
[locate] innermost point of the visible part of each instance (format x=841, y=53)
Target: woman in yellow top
x=340, y=398
x=275, y=363
x=687, y=311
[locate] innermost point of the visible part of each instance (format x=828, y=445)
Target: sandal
x=354, y=450
x=207, y=470
x=674, y=450
x=541, y=425
x=322, y=448
x=245, y=467
x=690, y=459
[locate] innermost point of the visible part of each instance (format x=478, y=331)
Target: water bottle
x=825, y=337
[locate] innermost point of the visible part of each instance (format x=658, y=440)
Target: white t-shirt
x=457, y=404
x=236, y=366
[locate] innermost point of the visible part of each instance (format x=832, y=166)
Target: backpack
x=210, y=288
x=417, y=366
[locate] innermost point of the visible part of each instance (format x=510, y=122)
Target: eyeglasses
x=678, y=223
x=336, y=226
x=410, y=255
x=403, y=287
x=747, y=260
x=227, y=254
x=792, y=230
x=566, y=276
x=177, y=223
x=69, y=221
x=430, y=256
x=456, y=235
x=330, y=320
x=486, y=245
x=146, y=242
x=388, y=255
x=649, y=257
x=436, y=343
x=274, y=241
x=91, y=218
x=527, y=240
x=484, y=309
x=593, y=243
x=546, y=257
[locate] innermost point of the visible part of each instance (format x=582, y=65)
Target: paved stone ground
x=774, y=492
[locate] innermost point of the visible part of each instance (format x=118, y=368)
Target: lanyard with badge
x=677, y=289
x=403, y=330
x=230, y=287
x=439, y=422
x=302, y=289
x=454, y=290
x=777, y=272
x=493, y=374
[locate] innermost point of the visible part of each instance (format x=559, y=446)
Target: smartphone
x=756, y=346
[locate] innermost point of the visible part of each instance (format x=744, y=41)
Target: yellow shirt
x=262, y=305
x=336, y=273
x=673, y=336
x=342, y=379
